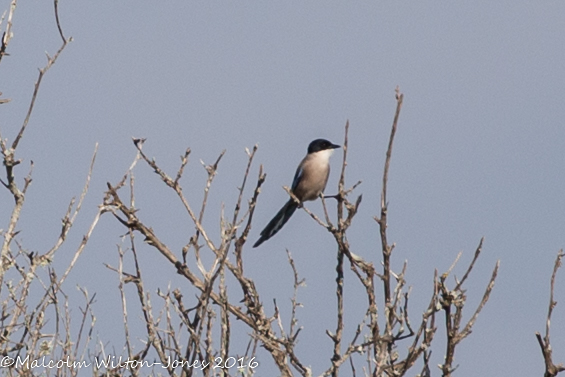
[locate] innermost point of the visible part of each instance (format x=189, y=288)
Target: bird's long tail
x=277, y=222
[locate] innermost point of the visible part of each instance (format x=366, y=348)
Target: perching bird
x=309, y=182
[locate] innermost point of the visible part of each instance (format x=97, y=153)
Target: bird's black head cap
x=321, y=145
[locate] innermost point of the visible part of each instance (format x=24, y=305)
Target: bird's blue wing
x=297, y=177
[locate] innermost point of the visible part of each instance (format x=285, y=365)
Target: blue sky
x=479, y=150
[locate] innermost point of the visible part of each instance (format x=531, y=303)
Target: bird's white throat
x=324, y=155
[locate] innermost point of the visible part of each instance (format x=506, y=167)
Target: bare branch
x=453, y=302
x=382, y=221
x=42, y=71
x=551, y=370
x=7, y=35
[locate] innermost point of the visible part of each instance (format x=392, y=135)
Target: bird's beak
x=335, y=146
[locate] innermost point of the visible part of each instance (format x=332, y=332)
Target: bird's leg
x=337, y=197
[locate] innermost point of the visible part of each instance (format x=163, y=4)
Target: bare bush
x=35, y=320
x=372, y=347
x=189, y=335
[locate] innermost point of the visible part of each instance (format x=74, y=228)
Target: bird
x=309, y=183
